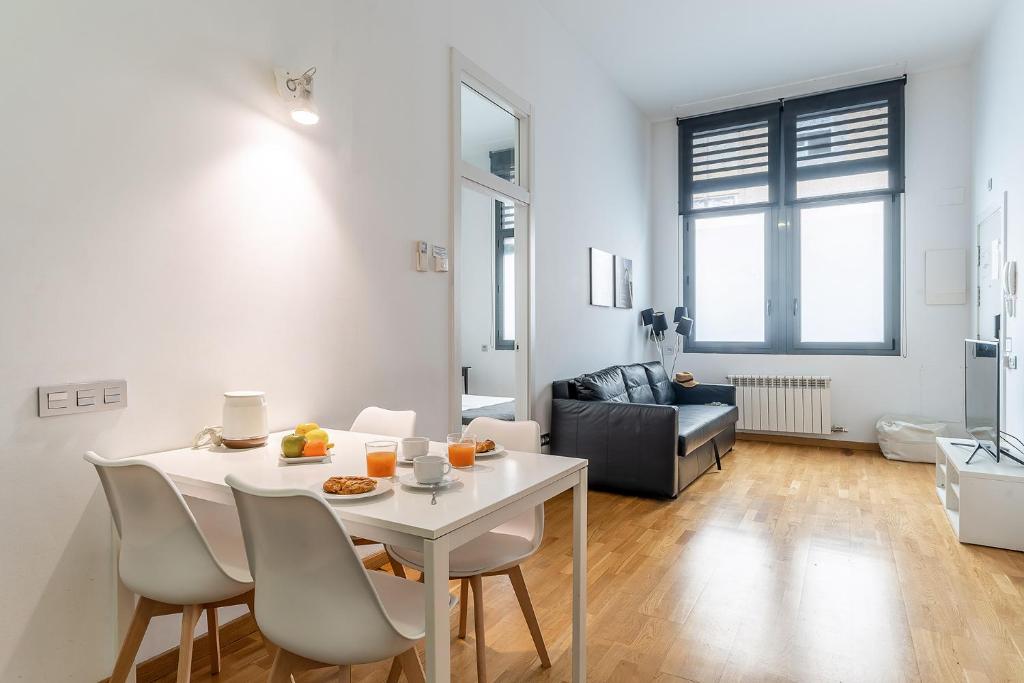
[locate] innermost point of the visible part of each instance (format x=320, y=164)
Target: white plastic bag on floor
x=910, y=438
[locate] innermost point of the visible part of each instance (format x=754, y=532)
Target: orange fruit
x=314, y=448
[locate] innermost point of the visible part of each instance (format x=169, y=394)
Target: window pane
x=842, y=273
x=735, y=197
x=729, y=276
x=846, y=184
x=490, y=135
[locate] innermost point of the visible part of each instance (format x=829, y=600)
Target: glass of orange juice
x=461, y=450
x=381, y=457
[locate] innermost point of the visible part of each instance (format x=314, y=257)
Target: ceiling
x=686, y=57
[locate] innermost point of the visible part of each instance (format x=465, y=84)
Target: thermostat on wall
x=440, y=259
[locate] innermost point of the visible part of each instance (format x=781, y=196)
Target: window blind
x=844, y=142
x=731, y=159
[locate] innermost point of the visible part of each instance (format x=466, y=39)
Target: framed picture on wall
x=602, y=278
x=623, y=282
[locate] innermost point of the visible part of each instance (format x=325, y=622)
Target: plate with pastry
x=485, y=448
x=344, y=488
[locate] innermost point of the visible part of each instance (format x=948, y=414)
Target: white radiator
x=781, y=403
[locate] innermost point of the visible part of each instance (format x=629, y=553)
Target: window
x=486, y=127
x=790, y=215
x=502, y=164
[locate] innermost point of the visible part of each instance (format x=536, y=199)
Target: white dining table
x=490, y=493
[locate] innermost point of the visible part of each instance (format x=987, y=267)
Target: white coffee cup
x=430, y=469
x=415, y=446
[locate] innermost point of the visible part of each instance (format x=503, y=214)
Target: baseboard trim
x=809, y=441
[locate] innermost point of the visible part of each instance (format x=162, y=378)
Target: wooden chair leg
x=344, y=674
x=396, y=671
x=519, y=586
x=189, y=618
x=410, y=663
x=396, y=567
x=477, y=584
x=213, y=638
x=288, y=663
x=463, y=608
x=280, y=670
x=132, y=640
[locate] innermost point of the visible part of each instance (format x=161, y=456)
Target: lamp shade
x=685, y=327
x=647, y=316
x=680, y=313
x=660, y=322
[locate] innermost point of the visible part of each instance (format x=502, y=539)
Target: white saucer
x=383, y=486
x=497, y=450
x=304, y=459
x=410, y=481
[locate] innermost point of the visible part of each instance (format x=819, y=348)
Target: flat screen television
x=981, y=395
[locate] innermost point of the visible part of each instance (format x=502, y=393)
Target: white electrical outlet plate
x=66, y=399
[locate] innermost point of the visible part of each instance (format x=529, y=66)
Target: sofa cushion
x=638, y=389
x=603, y=385
x=660, y=383
x=698, y=423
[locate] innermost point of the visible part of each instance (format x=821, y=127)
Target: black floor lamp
x=684, y=326
x=658, y=324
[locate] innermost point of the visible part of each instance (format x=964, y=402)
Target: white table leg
x=579, y=579
x=438, y=647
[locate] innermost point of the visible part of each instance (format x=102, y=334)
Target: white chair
x=314, y=598
x=397, y=423
x=498, y=552
x=167, y=560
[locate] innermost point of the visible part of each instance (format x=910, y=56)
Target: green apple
x=292, y=445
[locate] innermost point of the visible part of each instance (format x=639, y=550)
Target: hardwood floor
x=793, y=563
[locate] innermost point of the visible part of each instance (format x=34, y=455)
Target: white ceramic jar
x=245, y=419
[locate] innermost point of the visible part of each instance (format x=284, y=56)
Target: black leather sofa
x=641, y=432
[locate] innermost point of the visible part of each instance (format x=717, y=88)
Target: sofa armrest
x=630, y=446
x=705, y=393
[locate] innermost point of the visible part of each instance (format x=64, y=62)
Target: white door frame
x=463, y=173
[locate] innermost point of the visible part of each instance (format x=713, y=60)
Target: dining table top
x=488, y=485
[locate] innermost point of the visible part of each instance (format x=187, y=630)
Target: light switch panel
x=66, y=399
x=421, y=256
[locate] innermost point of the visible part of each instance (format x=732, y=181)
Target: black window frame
x=782, y=239
x=502, y=165
x=501, y=232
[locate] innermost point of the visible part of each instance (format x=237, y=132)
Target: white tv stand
x=984, y=501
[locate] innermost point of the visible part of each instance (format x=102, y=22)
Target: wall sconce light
x=297, y=91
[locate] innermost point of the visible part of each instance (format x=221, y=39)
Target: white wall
x=492, y=371
x=607, y=206
x=998, y=148
x=164, y=222
x=929, y=380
